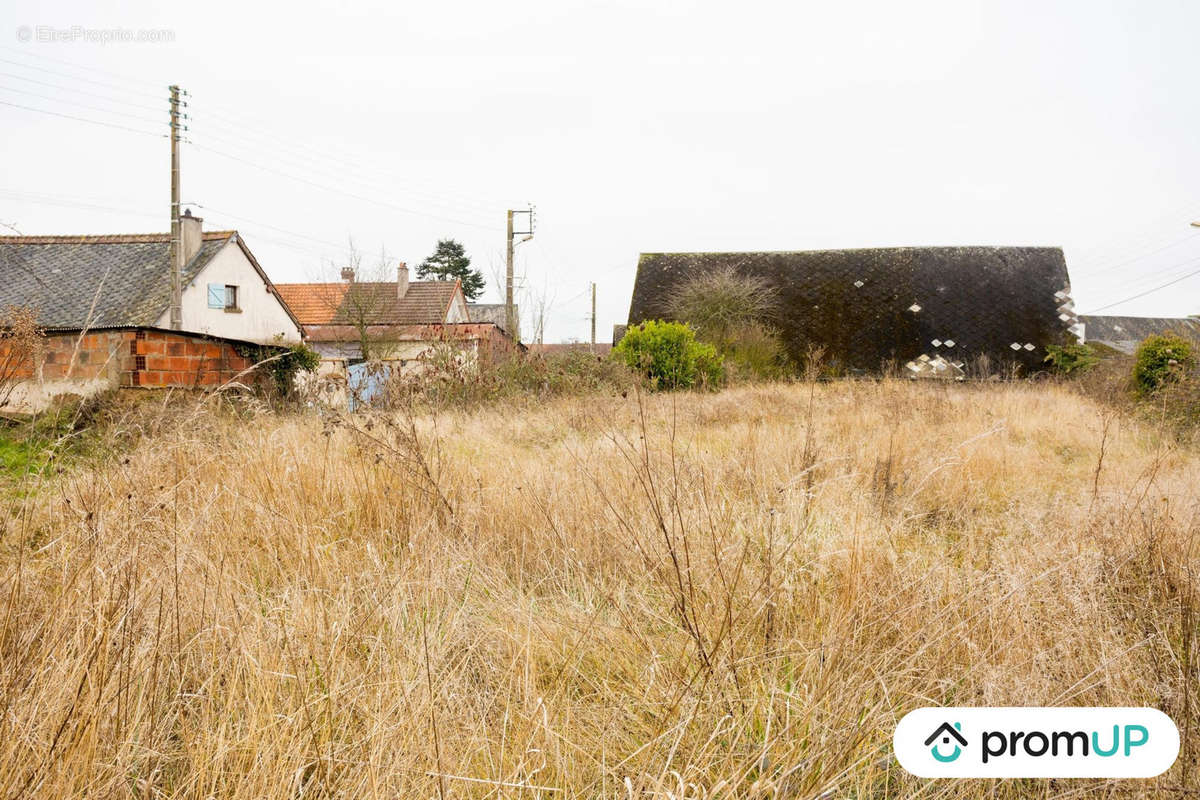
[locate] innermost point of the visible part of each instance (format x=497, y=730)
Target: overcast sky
x=633, y=126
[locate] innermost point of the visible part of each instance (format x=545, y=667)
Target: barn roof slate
x=866, y=307
x=73, y=282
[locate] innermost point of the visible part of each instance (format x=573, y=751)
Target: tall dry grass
x=727, y=595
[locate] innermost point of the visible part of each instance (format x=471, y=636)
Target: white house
x=226, y=293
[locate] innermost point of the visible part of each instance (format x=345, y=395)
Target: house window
x=223, y=296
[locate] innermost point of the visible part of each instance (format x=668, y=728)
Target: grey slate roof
x=1126, y=333
x=495, y=313
x=866, y=307
x=127, y=277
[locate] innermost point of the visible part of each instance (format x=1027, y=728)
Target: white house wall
x=261, y=316
x=457, y=311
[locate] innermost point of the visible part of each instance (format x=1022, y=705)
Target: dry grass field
x=726, y=595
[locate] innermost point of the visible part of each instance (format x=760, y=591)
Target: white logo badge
x=1017, y=742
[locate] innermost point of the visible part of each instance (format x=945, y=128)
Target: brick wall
x=132, y=358
x=98, y=355
x=159, y=359
x=489, y=341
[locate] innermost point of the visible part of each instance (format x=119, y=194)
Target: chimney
x=401, y=280
x=348, y=274
x=192, y=235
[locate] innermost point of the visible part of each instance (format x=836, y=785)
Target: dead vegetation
x=698, y=595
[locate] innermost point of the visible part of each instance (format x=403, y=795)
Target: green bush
x=668, y=353
x=1161, y=360
x=1071, y=358
x=283, y=362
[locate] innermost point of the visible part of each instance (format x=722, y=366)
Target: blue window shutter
x=216, y=295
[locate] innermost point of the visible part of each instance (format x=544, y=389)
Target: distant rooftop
x=1126, y=333
x=376, y=303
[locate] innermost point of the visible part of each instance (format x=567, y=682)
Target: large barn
x=910, y=306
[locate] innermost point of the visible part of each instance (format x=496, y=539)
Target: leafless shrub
x=719, y=303
x=21, y=346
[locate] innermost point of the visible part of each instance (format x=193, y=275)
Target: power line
x=86, y=68
x=81, y=105
x=240, y=119
x=83, y=119
x=297, y=234
x=1149, y=291
x=80, y=78
x=1102, y=253
x=306, y=165
x=340, y=191
x=272, y=140
x=86, y=203
x=79, y=91
x=1139, y=257
x=52, y=200
x=308, y=153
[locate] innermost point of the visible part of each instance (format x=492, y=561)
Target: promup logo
x=946, y=732
x=1036, y=742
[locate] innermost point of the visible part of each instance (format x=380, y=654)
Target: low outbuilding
x=101, y=306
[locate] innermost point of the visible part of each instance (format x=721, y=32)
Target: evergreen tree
x=450, y=261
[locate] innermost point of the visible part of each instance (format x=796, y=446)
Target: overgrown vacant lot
x=727, y=595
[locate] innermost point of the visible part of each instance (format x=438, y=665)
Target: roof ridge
x=361, y=283
x=916, y=248
x=1139, y=316
x=110, y=238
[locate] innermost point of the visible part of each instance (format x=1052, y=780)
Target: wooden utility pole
x=176, y=248
x=510, y=312
x=593, y=317
x=509, y=317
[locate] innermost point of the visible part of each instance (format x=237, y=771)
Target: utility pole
x=593, y=316
x=510, y=315
x=508, y=281
x=176, y=248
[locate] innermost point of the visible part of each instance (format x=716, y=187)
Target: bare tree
x=537, y=303
x=360, y=301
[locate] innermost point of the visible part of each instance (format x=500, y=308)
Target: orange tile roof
x=424, y=303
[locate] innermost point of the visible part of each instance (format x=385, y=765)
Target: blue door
x=364, y=381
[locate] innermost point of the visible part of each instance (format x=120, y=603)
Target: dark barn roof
x=1126, y=333
x=866, y=307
